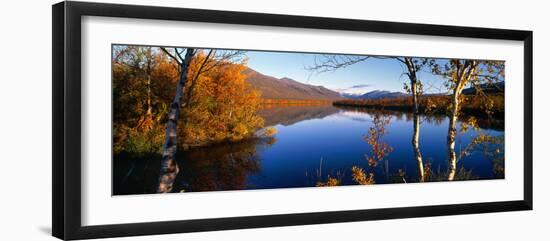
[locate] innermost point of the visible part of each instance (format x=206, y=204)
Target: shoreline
x=402, y=104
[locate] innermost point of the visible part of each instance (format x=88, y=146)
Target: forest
x=170, y=103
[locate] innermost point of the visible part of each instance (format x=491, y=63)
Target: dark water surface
x=312, y=143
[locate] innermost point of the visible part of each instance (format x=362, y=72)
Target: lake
x=315, y=142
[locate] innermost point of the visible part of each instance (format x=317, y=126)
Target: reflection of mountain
x=288, y=115
x=437, y=118
x=286, y=88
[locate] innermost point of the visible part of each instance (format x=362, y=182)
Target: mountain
x=492, y=88
x=350, y=95
x=487, y=89
x=286, y=88
x=380, y=94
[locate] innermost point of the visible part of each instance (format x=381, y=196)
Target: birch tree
x=415, y=87
x=330, y=63
x=169, y=168
x=459, y=73
x=213, y=58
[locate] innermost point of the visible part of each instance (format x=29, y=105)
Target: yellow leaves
x=470, y=122
x=427, y=170
x=331, y=182
x=270, y=131
x=430, y=105
x=218, y=104
x=239, y=132
x=485, y=138
x=222, y=104
x=267, y=132
x=359, y=176
x=380, y=149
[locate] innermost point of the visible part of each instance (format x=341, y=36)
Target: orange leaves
x=331, y=182
x=218, y=103
x=359, y=176
x=380, y=149
x=221, y=104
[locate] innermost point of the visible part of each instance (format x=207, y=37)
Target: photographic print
x=189, y=119
x=279, y=118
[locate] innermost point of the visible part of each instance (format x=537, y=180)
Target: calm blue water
x=313, y=142
x=337, y=139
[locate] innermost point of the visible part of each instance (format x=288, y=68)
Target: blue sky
x=373, y=74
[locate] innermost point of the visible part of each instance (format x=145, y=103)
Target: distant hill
x=493, y=88
x=350, y=95
x=286, y=88
x=380, y=94
x=487, y=89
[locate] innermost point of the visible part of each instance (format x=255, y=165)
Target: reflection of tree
x=432, y=118
x=490, y=146
x=359, y=176
x=333, y=179
x=219, y=167
x=438, y=175
x=222, y=167
x=379, y=149
x=330, y=63
x=191, y=69
x=459, y=73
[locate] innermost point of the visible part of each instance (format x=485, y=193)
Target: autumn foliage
x=142, y=88
x=492, y=105
x=219, y=105
x=222, y=106
x=380, y=149
x=361, y=177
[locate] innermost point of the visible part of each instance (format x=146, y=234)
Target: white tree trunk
x=416, y=132
x=169, y=167
x=451, y=135
x=416, y=119
x=463, y=75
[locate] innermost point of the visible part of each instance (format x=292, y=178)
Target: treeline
x=294, y=101
x=487, y=106
x=275, y=103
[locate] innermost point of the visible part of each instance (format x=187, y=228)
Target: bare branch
x=331, y=63
x=169, y=54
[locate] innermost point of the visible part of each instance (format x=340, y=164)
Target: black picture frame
x=66, y=58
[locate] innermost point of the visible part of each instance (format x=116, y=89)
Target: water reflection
x=214, y=168
x=435, y=118
x=315, y=142
x=290, y=114
x=221, y=167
